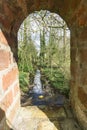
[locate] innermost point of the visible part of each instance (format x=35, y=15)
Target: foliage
x=24, y=81
x=27, y=51
x=27, y=57
x=57, y=79
x=53, y=54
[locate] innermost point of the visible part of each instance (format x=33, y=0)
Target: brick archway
x=12, y=14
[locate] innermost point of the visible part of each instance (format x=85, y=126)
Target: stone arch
x=3, y=124
x=12, y=14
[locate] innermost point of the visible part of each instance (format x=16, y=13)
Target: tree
x=27, y=51
x=51, y=32
x=42, y=47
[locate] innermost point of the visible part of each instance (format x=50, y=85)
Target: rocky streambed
x=56, y=107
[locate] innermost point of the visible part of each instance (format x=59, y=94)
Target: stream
x=55, y=106
x=45, y=96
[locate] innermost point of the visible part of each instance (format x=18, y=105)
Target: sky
x=34, y=28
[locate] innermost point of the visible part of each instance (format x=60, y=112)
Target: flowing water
x=37, y=89
x=41, y=97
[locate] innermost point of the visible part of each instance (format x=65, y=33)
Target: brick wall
x=9, y=84
x=12, y=13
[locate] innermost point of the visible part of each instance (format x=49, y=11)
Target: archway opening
x=74, y=14
x=44, y=43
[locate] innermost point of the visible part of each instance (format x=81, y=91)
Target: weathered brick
x=83, y=55
x=83, y=77
x=2, y=38
x=7, y=100
x=15, y=90
x=3, y=125
x=13, y=111
x=82, y=96
x=8, y=13
x=5, y=59
x=83, y=35
x=2, y=114
x=9, y=78
x=74, y=70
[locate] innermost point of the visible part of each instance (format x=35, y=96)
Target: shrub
x=57, y=79
x=24, y=81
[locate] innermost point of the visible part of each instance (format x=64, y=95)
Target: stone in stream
x=60, y=100
x=32, y=118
